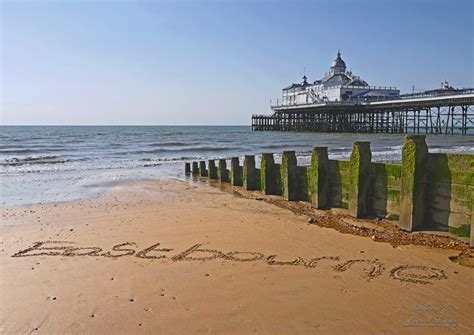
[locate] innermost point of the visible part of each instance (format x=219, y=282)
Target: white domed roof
x=338, y=63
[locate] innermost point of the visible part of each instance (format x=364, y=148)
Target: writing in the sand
x=372, y=268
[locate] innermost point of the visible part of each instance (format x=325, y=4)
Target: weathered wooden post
x=413, y=182
x=250, y=173
x=471, y=240
x=187, y=168
x=289, y=175
x=359, y=182
x=235, y=172
x=222, y=172
x=202, y=169
x=319, y=178
x=268, y=175
x=471, y=244
x=195, y=168
x=211, y=169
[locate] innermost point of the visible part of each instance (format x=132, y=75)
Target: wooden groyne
x=426, y=191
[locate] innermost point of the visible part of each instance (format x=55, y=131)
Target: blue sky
x=214, y=62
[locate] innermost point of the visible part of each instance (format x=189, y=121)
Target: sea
x=44, y=164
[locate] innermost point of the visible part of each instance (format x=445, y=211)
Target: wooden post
x=359, y=183
x=268, y=175
x=471, y=240
x=202, y=169
x=195, y=168
x=289, y=175
x=235, y=172
x=413, y=182
x=250, y=173
x=212, y=169
x=222, y=172
x=319, y=178
x=187, y=168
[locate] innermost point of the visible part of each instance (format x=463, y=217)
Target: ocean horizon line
x=123, y=125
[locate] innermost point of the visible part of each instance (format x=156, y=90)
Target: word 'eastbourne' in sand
x=373, y=267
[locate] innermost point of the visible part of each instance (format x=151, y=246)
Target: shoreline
x=188, y=257
x=380, y=230
x=103, y=190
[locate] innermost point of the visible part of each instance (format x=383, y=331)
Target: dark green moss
x=236, y=177
x=202, y=169
x=270, y=176
x=195, y=168
x=463, y=231
x=222, y=171
x=360, y=179
x=413, y=182
x=212, y=169
x=393, y=182
x=250, y=175
x=393, y=195
x=278, y=187
x=393, y=217
x=456, y=168
x=303, y=173
x=318, y=177
x=394, y=170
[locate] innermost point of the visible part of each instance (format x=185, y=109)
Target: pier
x=416, y=114
x=343, y=102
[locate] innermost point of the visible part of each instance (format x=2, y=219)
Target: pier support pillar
x=211, y=169
x=289, y=176
x=359, y=182
x=235, y=172
x=269, y=176
x=195, y=168
x=187, y=168
x=319, y=178
x=223, y=173
x=413, y=182
x=202, y=169
x=250, y=174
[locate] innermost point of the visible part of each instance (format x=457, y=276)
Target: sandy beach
x=175, y=257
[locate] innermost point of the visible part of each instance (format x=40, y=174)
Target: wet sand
x=174, y=257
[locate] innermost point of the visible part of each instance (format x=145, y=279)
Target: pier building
x=336, y=85
x=343, y=102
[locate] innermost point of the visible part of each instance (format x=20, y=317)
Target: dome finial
x=338, y=53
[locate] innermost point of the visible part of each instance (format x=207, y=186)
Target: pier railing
x=363, y=101
x=437, y=94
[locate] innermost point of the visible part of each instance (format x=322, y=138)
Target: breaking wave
x=33, y=160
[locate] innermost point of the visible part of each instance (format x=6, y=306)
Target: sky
x=214, y=62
